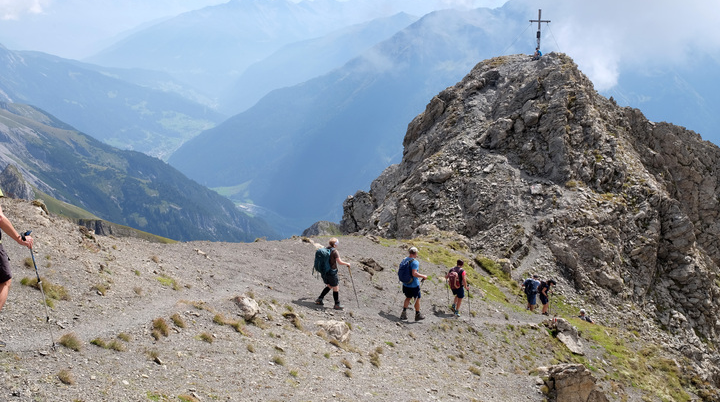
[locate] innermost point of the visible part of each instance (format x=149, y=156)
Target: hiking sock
x=324, y=292
x=336, y=296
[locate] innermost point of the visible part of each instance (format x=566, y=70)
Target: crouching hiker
x=330, y=276
x=457, y=280
x=585, y=317
x=410, y=278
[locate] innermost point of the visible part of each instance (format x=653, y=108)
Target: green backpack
x=322, y=261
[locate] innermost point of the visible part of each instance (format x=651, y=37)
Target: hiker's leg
x=324, y=292
x=458, y=302
x=407, y=302
x=417, y=304
x=4, y=290
x=336, y=297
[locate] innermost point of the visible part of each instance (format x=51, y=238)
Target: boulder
x=572, y=383
x=336, y=329
x=567, y=334
x=248, y=307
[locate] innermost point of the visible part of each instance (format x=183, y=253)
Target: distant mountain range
x=105, y=103
x=124, y=187
x=301, y=150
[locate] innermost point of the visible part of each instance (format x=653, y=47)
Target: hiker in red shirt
x=457, y=280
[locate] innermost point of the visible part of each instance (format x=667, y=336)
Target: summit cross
x=539, y=21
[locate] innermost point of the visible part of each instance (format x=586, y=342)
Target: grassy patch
x=71, y=341
x=168, y=281
x=66, y=377
x=177, y=320
x=52, y=291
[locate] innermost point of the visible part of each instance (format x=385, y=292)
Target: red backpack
x=455, y=278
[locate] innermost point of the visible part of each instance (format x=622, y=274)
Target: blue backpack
x=405, y=271
x=322, y=260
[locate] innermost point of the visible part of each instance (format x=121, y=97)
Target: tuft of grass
x=99, y=342
x=71, y=341
x=348, y=373
x=52, y=291
x=278, y=360
x=161, y=326
x=155, y=259
x=100, y=288
x=206, y=337
x=475, y=370
x=66, y=377
x=177, y=320
x=187, y=398
x=346, y=363
x=294, y=373
x=28, y=262
x=375, y=358
x=169, y=282
x=123, y=336
x=116, y=346
x=219, y=319
x=138, y=290
x=250, y=348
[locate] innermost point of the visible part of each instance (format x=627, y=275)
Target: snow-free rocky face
x=525, y=161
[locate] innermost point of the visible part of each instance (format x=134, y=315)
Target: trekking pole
x=447, y=286
x=469, y=312
x=353, y=283
x=42, y=291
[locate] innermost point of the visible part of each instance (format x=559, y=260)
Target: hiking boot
x=319, y=301
x=403, y=315
x=339, y=306
x=545, y=314
x=452, y=308
x=457, y=313
x=419, y=316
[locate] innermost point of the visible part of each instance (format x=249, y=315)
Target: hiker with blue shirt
x=330, y=278
x=530, y=286
x=411, y=289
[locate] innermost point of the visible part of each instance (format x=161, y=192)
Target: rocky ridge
x=524, y=160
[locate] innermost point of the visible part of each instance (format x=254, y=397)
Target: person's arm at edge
x=9, y=229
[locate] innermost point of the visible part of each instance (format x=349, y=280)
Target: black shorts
x=5, y=274
x=459, y=292
x=412, y=292
x=331, y=278
x=543, y=299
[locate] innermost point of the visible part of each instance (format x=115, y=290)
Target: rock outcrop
x=526, y=161
x=322, y=228
x=573, y=383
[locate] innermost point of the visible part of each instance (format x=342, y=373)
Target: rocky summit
x=523, y=160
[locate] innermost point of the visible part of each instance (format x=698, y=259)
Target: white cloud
x=14, y=9
x=603, y=37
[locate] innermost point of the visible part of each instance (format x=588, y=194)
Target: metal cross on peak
x=539, y=21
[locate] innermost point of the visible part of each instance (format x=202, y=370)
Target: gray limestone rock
x=526, y=161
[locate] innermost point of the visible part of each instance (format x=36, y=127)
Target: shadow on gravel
x=441, y=312
x=390, y=317
x=309, y=303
